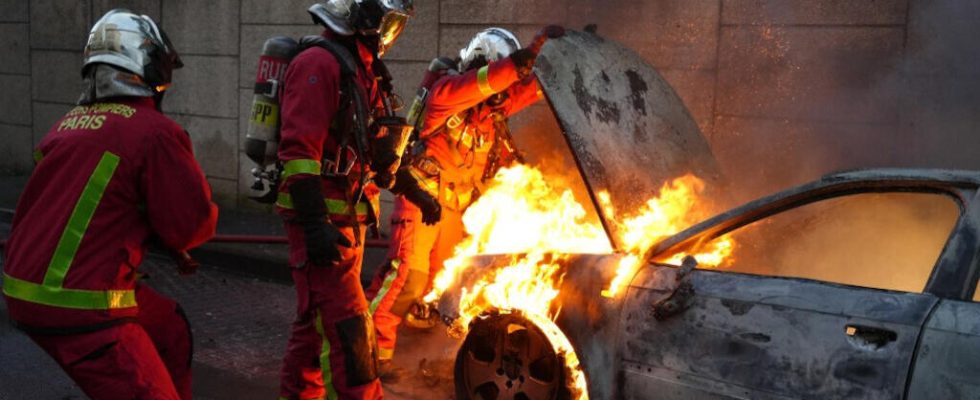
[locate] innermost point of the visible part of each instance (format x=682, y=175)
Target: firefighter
x=327, y=199
x=463, y=139
x=111, y=176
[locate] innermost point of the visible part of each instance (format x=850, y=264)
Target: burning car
x=858, y=285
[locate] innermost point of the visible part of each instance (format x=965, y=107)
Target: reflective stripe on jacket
x=109, y=176
x=310, y=103
x=458, y=129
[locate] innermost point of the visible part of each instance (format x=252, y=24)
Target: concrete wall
x=785, y=90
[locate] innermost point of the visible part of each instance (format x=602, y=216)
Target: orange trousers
x=415, y=255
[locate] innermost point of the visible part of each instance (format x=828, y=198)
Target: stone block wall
x=15, y=79
x=785, y=90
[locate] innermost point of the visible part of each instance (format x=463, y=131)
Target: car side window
x=879, y=240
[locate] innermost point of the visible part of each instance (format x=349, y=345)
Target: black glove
x=548, y=32
x=186, y=265
x=431, y=210
x=406, y=185
x=388, y=147
x=322, y=238
x=524, y=58
x=524, y=61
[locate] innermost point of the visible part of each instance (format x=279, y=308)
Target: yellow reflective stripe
x=483, y=81
x=68, y=298
x=429, y=184
x=341, y=207
x=78, y=222
x=375, y=202
x=325, y=359
x=300, y=166
x=385, y=354
x=51, y=292
x=284, y=200
x=38, y=156
x=334, y=206
x=386, y=285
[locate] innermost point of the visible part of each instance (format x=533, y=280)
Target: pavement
x=240, y=304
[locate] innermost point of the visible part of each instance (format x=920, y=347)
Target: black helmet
x=384, y=19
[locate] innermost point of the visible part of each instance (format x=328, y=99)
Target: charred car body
x=858, y=285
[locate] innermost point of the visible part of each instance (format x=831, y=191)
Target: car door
x=947, y=365
x=947, y=362
x=822, y=300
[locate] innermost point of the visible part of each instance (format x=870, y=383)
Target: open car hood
x=627, y=130
x=627, y=133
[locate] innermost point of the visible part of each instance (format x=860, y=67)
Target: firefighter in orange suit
x=112, y=175
x=462, y=141
x=329, y=94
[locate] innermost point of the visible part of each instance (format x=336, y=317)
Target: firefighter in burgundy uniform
x=111, y=176
x=326, y=201
x=460, y=146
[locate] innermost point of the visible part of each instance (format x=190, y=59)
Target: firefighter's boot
x=389, y=373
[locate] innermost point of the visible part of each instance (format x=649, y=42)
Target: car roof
x=954, y=177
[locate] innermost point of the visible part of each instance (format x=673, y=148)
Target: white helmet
x=488, y=46
x=133, y=43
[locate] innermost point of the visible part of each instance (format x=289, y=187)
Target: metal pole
x=271, y=239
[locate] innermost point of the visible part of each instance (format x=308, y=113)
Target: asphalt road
x=240, y=325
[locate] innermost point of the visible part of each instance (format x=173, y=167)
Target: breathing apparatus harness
x=351, y=95
x=363, y=141
x=440, y=67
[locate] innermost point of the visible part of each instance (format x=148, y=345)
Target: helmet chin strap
x=372, y=42
x=103, y=81
x=158, y=100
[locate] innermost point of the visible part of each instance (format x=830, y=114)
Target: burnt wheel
x=505, y=356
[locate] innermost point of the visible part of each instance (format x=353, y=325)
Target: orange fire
x=675, y=208
x=529, y=285
x=522, y=215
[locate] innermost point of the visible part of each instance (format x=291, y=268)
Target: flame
x=528, y=285
x=676, y=207
x=521, y=214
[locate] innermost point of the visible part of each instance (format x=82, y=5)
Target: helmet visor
x=390, y=28
x=171, y=51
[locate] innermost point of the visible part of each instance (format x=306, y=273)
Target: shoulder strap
x=355, y=96
x=348, y=64
x=439, y=67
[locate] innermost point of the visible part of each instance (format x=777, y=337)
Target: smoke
x=886, y=241
x=796, y=102
x=789, y=91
